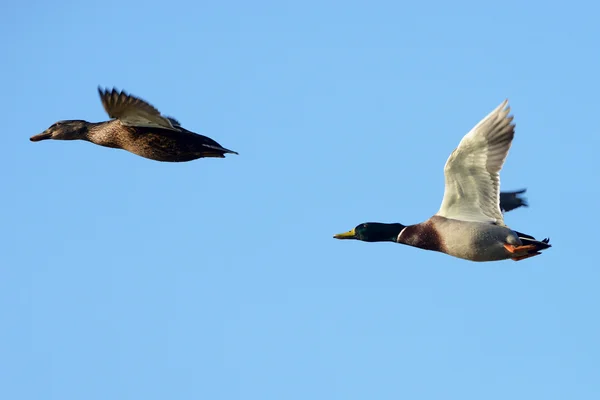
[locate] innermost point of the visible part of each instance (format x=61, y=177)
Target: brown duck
x=138, y=127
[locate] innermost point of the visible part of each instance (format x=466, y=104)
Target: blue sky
x=219, y=279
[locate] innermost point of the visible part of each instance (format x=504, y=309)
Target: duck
x=139, y=128
x=469, y=224
x=510, y=200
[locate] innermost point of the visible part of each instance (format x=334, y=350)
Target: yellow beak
x=347, y=235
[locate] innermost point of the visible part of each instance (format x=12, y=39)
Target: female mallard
x=469, y=223
x=138, y=127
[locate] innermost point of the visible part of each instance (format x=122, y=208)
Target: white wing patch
x=472, y=172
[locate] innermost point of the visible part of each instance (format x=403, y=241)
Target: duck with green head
x=469, y=223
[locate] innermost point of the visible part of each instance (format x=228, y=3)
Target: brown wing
x=132, y=111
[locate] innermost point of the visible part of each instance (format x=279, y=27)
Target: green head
x=64, y=130
x=373, y=232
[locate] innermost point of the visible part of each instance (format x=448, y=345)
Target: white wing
x=472, y=171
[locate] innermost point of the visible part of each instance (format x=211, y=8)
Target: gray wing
x=133, y=111
x=511, y=200
x=472, y=172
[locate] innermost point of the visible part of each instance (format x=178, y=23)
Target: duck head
x=373, y=232
x=63, y=130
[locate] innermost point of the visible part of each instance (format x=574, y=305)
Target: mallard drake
x=138, y=127
x=511, y=200
x=469, y=223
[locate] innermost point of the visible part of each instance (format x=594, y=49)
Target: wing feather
x=472, y=172
x=133, y=111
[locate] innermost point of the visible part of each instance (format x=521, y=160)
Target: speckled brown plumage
x=138, y=128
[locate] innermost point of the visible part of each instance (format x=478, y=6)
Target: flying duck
x=469, y=223
x=138, y=127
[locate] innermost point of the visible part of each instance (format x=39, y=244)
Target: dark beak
x=42, y=136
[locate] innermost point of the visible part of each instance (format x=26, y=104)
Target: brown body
x=155, y=143
x=138, y=128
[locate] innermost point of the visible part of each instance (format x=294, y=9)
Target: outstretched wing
x=133, y=111
x=472, y=172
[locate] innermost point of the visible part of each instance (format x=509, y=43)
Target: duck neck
x=103, y=133
x=381, y=232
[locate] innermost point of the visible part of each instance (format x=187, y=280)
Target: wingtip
x=504, y=106
x=103, y=91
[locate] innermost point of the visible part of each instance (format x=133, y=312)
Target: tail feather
x=539, y=245
x=220, y=149
x=530, y=247
x=524, y=236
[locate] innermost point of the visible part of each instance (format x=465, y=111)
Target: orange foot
x=519, y=249
x=526, y=256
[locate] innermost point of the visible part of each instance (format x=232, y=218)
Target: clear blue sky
x=125, y=278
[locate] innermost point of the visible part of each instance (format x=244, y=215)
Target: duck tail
x=216, y=151
x=528, y=239
x=530, y=247
x=539, y=245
